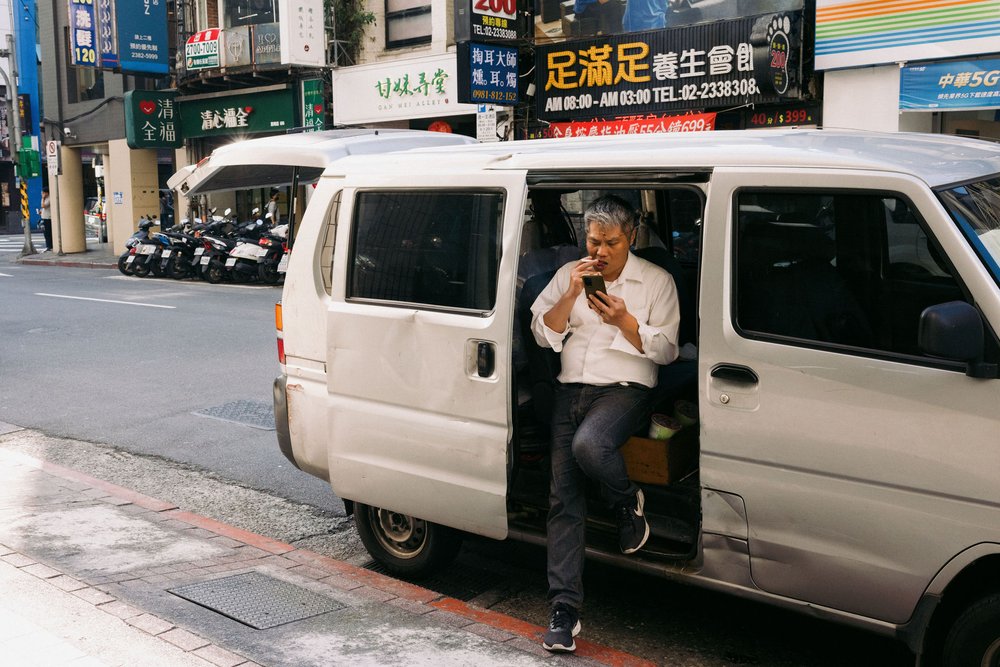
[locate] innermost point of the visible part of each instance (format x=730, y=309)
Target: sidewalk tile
x=17, y=560
x=120, y=609
x=342, y=582
x=532, y=646
x=450, y=618
x=5, y=550
x=411, y=606
x=219, y=656
x=41, y=571
x=369, y=594
x=311, y=572
x=150, y=624
x=489, y=632
x=222, y=541
x=93, y=596
x=67, y=583
x=183, y=639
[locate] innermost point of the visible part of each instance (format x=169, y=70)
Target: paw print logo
x=772, y=51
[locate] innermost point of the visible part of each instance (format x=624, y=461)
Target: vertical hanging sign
x=142, y=36
x=313, y=108
x=82, y=33
x=106, y=37
x=303, y=32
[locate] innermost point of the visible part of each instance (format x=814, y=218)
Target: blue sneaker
x=563, y=626
x=633, y=529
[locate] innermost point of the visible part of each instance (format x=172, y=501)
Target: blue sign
x=142, y=36
x=962, y=84
x=487, y=74
x=106, y=34
x=82, y=33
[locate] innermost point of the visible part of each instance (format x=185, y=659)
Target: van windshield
x=976, y=209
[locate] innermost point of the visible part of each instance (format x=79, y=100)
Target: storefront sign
x=142, y=36
x=303, y=32
x=713, y=65
x=152, y=119
x=853, y=33
x=313, y=106
x=399, y=90
x=202, y=50
x=486, y=124
x=245, y=114
x=107, y=34
x=698, y=122
x=266, y=43
x=967, y=84
x=82, y=33
x=487, y=74
x=788, y=116
x=493, y=21
x=235, y=50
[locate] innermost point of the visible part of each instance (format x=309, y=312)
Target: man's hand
x=611, y=309
x=558, y=316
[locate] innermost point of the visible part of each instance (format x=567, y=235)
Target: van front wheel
x=974, y=639
x=405, y=545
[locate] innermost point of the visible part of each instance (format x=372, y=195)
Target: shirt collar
x=631, y=271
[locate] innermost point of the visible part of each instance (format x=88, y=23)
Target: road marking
x=86, y=298
x=6, y=275
x=195, y=283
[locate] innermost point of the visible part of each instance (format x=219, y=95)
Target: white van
x=840, y=303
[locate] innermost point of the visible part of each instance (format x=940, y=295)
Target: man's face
x=609, y=247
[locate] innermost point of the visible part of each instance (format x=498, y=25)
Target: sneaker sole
x=645, y=537
x=560, y=648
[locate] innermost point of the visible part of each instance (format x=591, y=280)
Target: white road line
x=86, y=298
x=194, y=283
x=6, y=275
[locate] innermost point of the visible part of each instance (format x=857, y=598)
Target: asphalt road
x=89, y=355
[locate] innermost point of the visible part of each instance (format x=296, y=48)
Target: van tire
x=404, y=545
x=974, y=638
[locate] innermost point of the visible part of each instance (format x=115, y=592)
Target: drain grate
x=255, y=414
x=462, y=583
x=257, y=600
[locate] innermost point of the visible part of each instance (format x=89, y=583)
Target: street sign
x=52, y=158
x=486, y=123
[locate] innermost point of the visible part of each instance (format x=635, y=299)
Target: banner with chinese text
x=82, y=33
x=487, y=74
x=717, y=65
x=697, y=122
x=253, y=113
x=152, y=119
x=966, y=84
x=142, y=36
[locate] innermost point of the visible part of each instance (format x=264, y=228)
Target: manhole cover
x=256, y=414
x=257, y=600
x=461, y=583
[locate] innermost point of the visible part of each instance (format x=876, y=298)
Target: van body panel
x=841, y=471
x=412, y=426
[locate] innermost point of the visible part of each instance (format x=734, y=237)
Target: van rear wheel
x=974, y=639
x=405, y=545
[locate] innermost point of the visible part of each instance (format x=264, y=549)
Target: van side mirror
x=954, y=330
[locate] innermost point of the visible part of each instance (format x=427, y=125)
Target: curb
x=78, y=264
x=411, y=597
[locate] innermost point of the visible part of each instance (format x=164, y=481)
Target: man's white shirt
x=597, y=353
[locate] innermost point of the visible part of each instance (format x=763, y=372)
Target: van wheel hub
x=400, y=534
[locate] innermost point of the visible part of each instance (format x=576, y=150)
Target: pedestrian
x=45, y=212
x=610, y=345
x=272, y=207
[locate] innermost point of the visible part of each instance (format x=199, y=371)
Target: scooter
x=274, y=246
x=127, y=258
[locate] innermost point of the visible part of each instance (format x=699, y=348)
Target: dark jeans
x=589, y=425
x=47, y=232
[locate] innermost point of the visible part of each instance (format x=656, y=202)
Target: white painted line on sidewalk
x=87, y=298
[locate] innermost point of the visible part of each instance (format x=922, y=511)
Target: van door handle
x=485, y=359
x=735, y=373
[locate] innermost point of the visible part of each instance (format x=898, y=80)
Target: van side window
x=436, y=248
x=844, y=269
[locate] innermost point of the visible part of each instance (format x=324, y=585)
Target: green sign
x=313, y=106
x=255, y=113
x=152, y=119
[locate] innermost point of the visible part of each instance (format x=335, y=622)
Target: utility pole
x=13, y=114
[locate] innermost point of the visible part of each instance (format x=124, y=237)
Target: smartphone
x=594, y=282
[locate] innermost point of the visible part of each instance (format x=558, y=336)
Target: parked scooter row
x=218, y=250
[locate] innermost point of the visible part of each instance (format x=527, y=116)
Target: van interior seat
x=789, y=286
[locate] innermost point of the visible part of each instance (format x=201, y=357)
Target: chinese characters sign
x=487, y=74
x=313, y=107
x=107, y=33
x=142, y=36
x=82, y=33
x=698, y=122
x=696, y=67
x=493, y=21
x=968, y=84
x=152, y=119
x=202, y=50
x=271, y=111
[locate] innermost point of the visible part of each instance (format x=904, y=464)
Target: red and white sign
x=201, y=51
x=696, y=122
x=505, y=9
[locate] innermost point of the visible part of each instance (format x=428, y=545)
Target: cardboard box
x=661, y=461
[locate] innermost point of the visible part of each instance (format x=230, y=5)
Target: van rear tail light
x=279, y=328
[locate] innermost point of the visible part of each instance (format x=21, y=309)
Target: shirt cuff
x=553, y=338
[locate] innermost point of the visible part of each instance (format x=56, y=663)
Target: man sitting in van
x=610, y=343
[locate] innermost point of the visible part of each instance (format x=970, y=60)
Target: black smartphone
x=594, y=282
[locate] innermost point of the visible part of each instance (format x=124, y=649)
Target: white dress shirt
x=597, y=353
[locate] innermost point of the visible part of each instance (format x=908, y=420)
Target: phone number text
x=654, y=95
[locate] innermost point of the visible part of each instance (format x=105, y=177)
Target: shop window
x=837, y=270
x=250, y=12
x=407, y=22
x=438, y=248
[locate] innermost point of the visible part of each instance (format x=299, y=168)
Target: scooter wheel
x=268, y=273
x=214, y=272
x=157, y=269
x=123, y=264
x=141, y=270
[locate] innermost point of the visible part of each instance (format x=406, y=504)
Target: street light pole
x=15, y=121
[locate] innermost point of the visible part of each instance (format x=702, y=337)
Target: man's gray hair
x=611, y=211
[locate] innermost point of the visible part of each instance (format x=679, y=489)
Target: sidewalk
x=97, y=256
x=95, y=574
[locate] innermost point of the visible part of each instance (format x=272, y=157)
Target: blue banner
x=142, y=36
x=962, y=84
x=106, y=33
x=488, y=74
x=82, y=33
